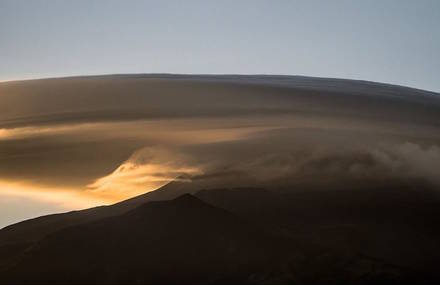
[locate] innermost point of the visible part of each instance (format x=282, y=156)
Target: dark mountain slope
x=34, y=229
x=186, y=241
x=396, y=225
x=179, y=241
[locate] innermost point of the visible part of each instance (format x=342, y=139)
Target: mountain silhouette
x=34, y=229
x=181, y=240
x=233, y=236
x=398, y=225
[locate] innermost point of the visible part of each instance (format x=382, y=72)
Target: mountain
x=397, y=225
x=34, y=229
x=179, y=241
x=235, y=236
x=186, y=241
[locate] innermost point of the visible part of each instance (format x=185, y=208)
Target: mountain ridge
x=274, y=237
x=185, y=234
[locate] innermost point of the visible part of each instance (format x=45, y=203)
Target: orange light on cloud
x=146, y=170
x=63, y=197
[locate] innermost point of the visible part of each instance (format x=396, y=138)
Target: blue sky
x=388, y=41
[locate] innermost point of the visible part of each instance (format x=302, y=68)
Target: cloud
x=146, y=170
x=412, y=160
x=327, y=166
x=104, y=139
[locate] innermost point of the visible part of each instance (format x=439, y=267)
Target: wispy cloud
x=145, y=171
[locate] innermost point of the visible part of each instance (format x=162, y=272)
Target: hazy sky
x=388, y=41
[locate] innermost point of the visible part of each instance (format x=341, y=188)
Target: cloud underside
x=101, y=163
x=80, y=150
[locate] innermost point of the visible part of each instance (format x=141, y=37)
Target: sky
x=379, y=40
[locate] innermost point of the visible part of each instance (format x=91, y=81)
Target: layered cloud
x=78, y=142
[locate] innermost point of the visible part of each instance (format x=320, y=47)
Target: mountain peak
x=187, y=197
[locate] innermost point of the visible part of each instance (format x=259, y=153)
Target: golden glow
x=145, y=171
x=68, y=199
x=131, y=178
